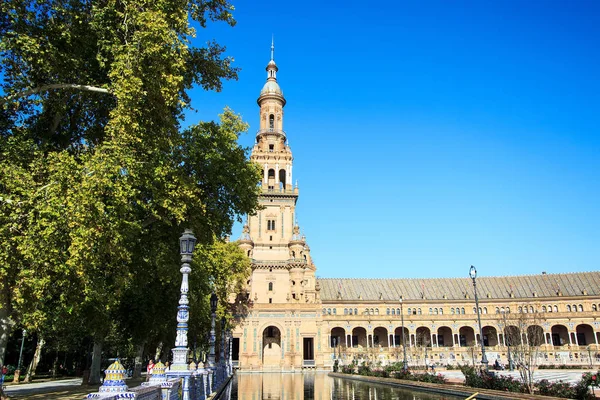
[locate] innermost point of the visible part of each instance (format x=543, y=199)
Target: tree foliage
x=97, y=178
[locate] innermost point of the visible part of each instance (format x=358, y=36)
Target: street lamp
x=213, y=311
x=473, y=275
x=222, y=352
x=187, y=242
x=18, y=371
x=405, y=366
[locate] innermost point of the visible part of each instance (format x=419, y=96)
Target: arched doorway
x=585, y=335
x=380, y=337
x=397, y=339
x=466, y=336
x=512, y=335
x=535, y=335
x=359, y=337
x=560, y=335
x=444, y=337
x=490, y=336
x=271, y=339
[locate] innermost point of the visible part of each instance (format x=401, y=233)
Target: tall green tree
x=97, y=179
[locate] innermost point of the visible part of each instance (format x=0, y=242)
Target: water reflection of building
x=297, y=321
x=271, y=386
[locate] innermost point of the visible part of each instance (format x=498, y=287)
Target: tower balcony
x=268, y=190
x=271, y=131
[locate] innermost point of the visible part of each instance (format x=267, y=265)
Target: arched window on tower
x=282, y=176
x=271, y=121
x=270, y=286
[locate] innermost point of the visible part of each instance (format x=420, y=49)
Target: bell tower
x=281, y=329
x=280, y=256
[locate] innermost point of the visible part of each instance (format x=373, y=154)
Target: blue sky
x=429, y=136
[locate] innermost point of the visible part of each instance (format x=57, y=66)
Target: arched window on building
x=419, y=312
x=372, y=312
x=574, y=307
x=594, y=307
x=525, y=309
x=334, y=311
x=568, y=308
x=502, y=310
x=394, y=311
x=452, y=310
x=350, y=311
x=345, y=311
x=435, y=311
x=531, y=310
x=543, y=308
x=441, y=310
x=555, y=308
x=508, y=310
x=271, y=121
x=485, y=310
x=270, y=286
x=324, y=311
x=356, y=311
x=387, y=311
x=462, y=310
x=398, y=311
x=497, y=310
x=366, y=312
x=474, y=310
x=549, y=308
x=580, y=308
x=329, y=311
x=520, y=309
x=377, y=311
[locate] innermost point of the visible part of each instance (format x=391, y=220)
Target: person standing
x=149, y=369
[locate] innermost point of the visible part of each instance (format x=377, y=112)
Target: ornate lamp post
x=405, y=365
x=187, y=242
x=18, y=371
x=229, y=361
x=222, y=350
x=211, y=355
x=473, y=275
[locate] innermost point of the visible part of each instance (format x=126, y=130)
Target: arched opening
x=338, y=339
x=585, y=335
x=560, y=335
x=444, y=337
x=359, y=337
x=270, y=286
x=423, y=337
x=271, y=340
x=512, y=335
x=271, y=179
x=282, y=176
x=271, y=121
x=397, y=339
x=490, y=336
x=466, y=336
x=380, y=337
x=535, y=335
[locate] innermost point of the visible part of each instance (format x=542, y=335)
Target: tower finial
x=272, y=47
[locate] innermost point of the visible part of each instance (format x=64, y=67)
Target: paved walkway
x=65, y=389
x=566, y=375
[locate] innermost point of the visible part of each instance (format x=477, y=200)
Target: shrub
x=477, y=379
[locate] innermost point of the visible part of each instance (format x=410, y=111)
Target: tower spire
x=272, y=47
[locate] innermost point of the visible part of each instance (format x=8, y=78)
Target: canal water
x=316, y=386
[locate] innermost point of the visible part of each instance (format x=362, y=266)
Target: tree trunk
x=5, y=321
x=137, y=369
x=158, y=351
x=36, y=360
x=55, y=366
x=95, y=372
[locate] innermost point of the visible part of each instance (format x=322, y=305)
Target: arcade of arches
x=295, y=320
